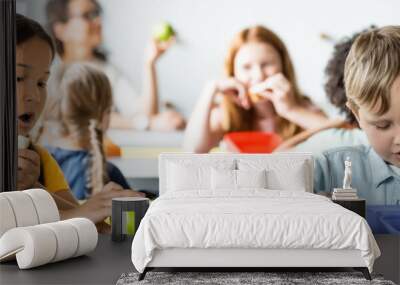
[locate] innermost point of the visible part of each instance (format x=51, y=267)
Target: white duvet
x=250, y=219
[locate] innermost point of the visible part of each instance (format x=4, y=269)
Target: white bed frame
x=250, y=258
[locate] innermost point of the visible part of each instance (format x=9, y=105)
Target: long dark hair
x=27, y=29
x=57, y=11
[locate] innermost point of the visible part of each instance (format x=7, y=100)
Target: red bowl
x=252, y=142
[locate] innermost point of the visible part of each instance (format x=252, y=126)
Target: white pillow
x=7, y=217
x=45, y=205
x=23, y=208
x=285, y=174
x=181, y=178
x=237, y=179
x=26, y=208
x=293, y=180
x=40, y=244
x=223, y=179
x=186, y=174
x=251, y=178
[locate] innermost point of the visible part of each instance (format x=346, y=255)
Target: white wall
x=206, y=27
x=32, y=8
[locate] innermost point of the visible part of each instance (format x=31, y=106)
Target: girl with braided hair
x=84, y=112
x=36, y=167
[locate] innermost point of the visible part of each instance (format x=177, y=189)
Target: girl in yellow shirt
x=36, y=167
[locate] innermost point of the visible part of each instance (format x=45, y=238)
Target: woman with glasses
x=76, y=27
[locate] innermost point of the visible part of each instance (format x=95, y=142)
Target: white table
x=137, y=167
x=130, y=138
x=140, y=150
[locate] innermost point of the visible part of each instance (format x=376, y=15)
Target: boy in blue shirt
x=372, y=83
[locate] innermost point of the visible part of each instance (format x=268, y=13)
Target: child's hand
x=279, y=91
x=28, y=169
x=158, y=48
x=234, y=89
x=98, y=207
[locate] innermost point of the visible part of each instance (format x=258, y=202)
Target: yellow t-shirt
x=52, y=176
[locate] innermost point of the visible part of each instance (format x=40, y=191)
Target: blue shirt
x=336, y=138
x=74, y=164
x=374, y=179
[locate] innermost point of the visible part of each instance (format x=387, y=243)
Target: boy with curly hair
x=372, y=85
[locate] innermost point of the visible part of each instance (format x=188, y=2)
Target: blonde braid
x=97, y=163
x=84, y=101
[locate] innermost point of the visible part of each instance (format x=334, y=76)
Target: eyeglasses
x=88, y=16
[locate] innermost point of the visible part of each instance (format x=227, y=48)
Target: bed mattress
x=250, y=219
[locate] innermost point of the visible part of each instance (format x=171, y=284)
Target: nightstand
x=357, y=206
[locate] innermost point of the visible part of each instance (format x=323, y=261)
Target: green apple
x=163, y=31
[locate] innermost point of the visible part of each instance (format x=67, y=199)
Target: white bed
x=218, y=210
